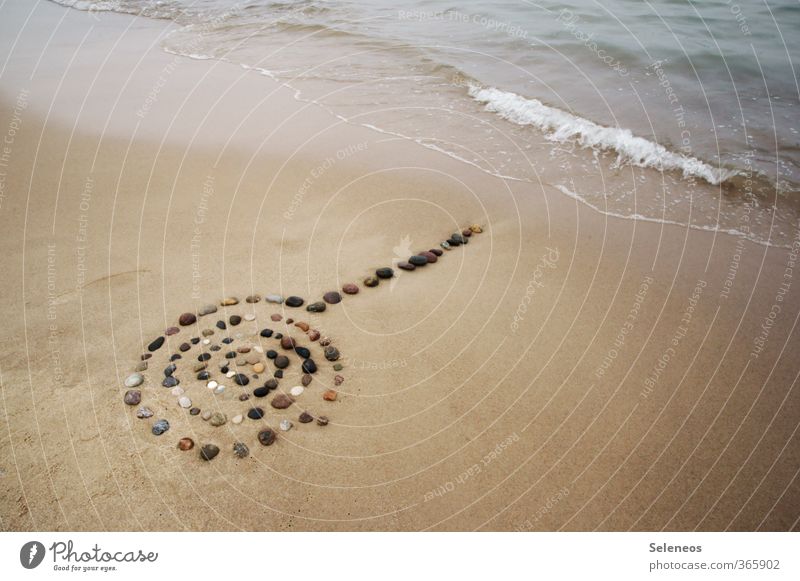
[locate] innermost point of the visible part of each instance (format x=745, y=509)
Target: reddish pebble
x=302, y=326
x=338, y=380
x=329, y=395
x=186, y=444
x=276, y=317
x=187, y=319
x=436, y=251
x=350, y=289
x=287, y=343
x=430, y=256
x=313, y=334
x=172, y=331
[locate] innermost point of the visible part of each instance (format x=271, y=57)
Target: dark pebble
x=224, y=369
x=156, y=344
x=240, y=379
x=271, y=354
x=209, y=452
x=418, y=260
x=255, y=413
x=176, y=357
x=454, y=242
x=214, y=348
x=203, y=375
x=278, y=336
x=287, y=343
x=331, y=353
x=194, y=411
x=371, y=281
x=170, y=369
x=235, y=320
x=271, y=384
x=133, y=397
x=302, y=352
x=294, y=301
x=281, y=362
x=266, y=333
x=228, y=340
x=278, y=374
x=261, y=392
x=266, y=437
x=194, y=340
x=458, y=238
x=281, y=401
x=332, y=298
x=185, y=444
x=160, y=427
x=253, y=299
x=309, y=366
x=436, y=251
x=241, y=450
x=305, y=418
x=466, y=232
x=170, y=381
x=172, y=331
x=146, y=356
x=306, y=380
x=185, y=347
x=230, y=355
x=187, y=319
x=384, y=272
x=317, y=307
x=322, y=421
x=244, y=397
x=221, y=325
x=350, y=289
x=406, y=266
x=430, y=256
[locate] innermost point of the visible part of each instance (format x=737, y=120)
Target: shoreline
x=151, y=219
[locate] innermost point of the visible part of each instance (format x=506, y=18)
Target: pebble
x=244, y=396
x=431, y=256
x=338, y=367
x=221, y=325
x=132, y=397
x=325, y=342
x=266, y=437
x=350, y=288
x=276, y=317
x=286, y=425
x=329, y=395
x=436, y=251
x=302, y=352
x=160, y=427
x=418, y=260
x=219, y=389
x=204, y=357
x=134, y=380
x=271, y=384
x=406, y=266
x=258, y=367
x=466, y=232
x=278, y=374
x=476, y=228
x=185, y=444
x=240, y=379
x=281, y=362
x=317, y=307
x=306, y=380
x=331, y=353
x=332, y=298
x=313, y=334
x=261, y=391
x=294, y=301
x=202, y=366
x=171, y=331
x=144, y=412
x=287, y=343
x=194, y=340
x=146, y=356
x=234, y=320
x=230, y=355
x=241, y=450
x=302, y=325
x=187, y=319
x=281, y=401
x=170, y=381
x=271, y=354
x=322, y=421
x=237, y=419
x=194, y=411
x=253, y=299
x=175, y=357
x=207, y=333
x=445, y=245
x=212, y=384
x=457, y=238
x=207, y=310
x=266, y=332
x=276, y=299
x=206, y=415
x=185, y=347
x=306, y=418
x=228, y=340
x=156, y=344
x=255, y=413
x=203, y=375
x=141, y=366
x=371, y=281
x=208, y=452
x=309, y=366
x=297, y=390
x=338, y=380
x=177, y=391
x=229, y=302
x=185, y=402
x=218, y=419
x=384, y=272
x=249, y=317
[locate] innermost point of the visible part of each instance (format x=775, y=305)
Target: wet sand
x=563, y=371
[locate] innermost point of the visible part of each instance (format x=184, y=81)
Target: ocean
x=672, y=111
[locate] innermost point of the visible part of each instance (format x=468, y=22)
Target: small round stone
x=430, y=256
x=207, y=310
x=177, y=391
x=285, y=425
x=134, y=380
x=253, y=299
x=266, y=333
x=287, y=343
x=185, y=444
x=306, y=380
x=204, y=357
x=371, y=281
x=249, y=317
x=146, y=356
x=276, y=317
x=302, y=352
x=266, y=437
x=278, y=374
x=227, y=340
x=306, y=418
x=185, y=402
x=332, y=298
x=406, y=266
x=261, y=391
x=207, y=333
x=338, y=367
x=221, y=325
x=255, y=413
x=302, y=325
x=237, y=419
x=418, y=260
x=194, y=411
x=297, y=390
x=436, y=251
x=271, y=354
x=156, y=344
x=240, y=379
x=206, y=415
x=171, y=331
x=218, y=419
x=141, y=366
x=445, y=245
x=276, y=299
x=331, y=353
x=185, y=347
x=350, y=288
x=241, y=450
x=338, y=380
x=317, y=307
x=209, y=452
x=313, y=334
x=234, y=320
x=309, y=366
x=271, y=384
x=187, y=319
x=132, y=397
x=322, y=421
x=384, y=272
x=294, y=301
x=203, y=375
x=175, y=357
x=170, y=381
x=476, y=228
x=329, y=395
x=258, y=367
x=281, y=362
x=144, y=412
x=244, y=396
x=229, y=302
x=159, y=427
x=281, y=401
x=466, y=232
x=212, y=384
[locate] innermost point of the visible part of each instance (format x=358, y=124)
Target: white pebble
x=258, y=349
x=297, y=390
x=177, y=390
x=185, y=402
x=219, y=389
x=230, y=374
x=212, y=384
x=249, y=317
x=134, y=380
x=206, y=341
x=286, y=425
x=237, y=419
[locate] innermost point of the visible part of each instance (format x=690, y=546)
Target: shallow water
x=666, y=110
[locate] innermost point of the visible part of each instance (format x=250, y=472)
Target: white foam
x=561, y=126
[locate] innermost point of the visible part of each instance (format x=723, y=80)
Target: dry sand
x=475, y=396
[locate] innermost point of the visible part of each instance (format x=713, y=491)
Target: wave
x=558, y=125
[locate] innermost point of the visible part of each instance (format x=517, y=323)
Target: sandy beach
x=565, y=370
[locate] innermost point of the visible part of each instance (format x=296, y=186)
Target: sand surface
x=563, y=371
